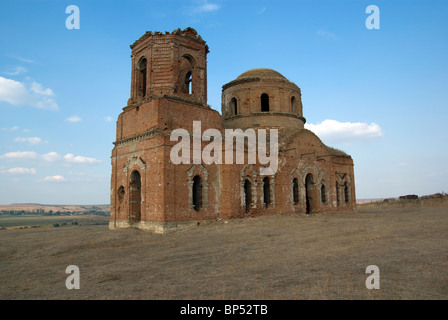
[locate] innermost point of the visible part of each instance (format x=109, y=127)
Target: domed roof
x=261, y=73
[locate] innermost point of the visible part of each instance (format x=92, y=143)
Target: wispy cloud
x=19, y=170
x=70, y=158
x=326, y=34
x=108, y=119
x=20, y=155
x=31, y=140
x=57, y=178
x=340, y=132
x=10, y=129
x=201, y=6
x=74, y=118
x=21, y=58
x=50, y=157
x=19, y=93
x=262, y=10
x=16, y=71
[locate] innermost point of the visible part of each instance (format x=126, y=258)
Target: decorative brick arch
x=248, y=172
x=343, y=181
x=200, y=170
x=271, y=179
x=296, y=174
x=139, y=165
x=324, y=180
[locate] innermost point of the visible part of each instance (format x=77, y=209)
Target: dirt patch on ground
x=280, y=257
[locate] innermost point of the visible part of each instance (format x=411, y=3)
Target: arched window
x=264, y=102
x=322, y=194
x=234, y=106
x=188, y=79
x=266, y=192
x=338, y=197
x=346, y=195
x=142, y=68
x=295, y=190
x=309, y=192
x=293, y=104
x=247, y=194
x=197, y=192
x=186, y=75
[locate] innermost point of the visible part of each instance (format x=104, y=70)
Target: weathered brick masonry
x=169, y=91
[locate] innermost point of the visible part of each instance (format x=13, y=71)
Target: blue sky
x=380, y=95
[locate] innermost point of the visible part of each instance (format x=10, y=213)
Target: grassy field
x=321, y=256
x=34, y=221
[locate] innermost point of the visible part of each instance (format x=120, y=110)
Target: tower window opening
x=188, y=79
x=293, y=102
x=264, y=102
x=142, y=68
x=234, y=106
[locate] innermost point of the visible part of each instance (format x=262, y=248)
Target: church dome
x=260, y=98
x=261, y=73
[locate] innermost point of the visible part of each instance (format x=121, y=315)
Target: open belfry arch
x=169, y=92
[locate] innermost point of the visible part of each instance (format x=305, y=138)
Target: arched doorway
x=135, y=197
x=247, y=194
x=310, y=193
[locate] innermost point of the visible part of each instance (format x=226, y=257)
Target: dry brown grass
x=278, y=257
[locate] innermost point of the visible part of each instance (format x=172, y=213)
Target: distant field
x=42, y=221
x=30, y=207
x=321, y=256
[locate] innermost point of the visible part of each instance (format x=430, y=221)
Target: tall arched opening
x=135, y=197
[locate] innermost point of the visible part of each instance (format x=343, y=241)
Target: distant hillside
x=34, y=208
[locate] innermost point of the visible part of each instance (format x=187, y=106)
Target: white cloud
x=37, y=88
x=22, y=171
x=30, y=140
x=16, y=71
x=70, y=158
x=340, y=132
x=108, y=119
x=20, y=94
x=10, y=129
x=20, y=155
x=50, y=157
x=57, y=178
x=74, y=118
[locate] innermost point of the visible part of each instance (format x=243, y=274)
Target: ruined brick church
x=168, y=92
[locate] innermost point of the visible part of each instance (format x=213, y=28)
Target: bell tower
x=169, y=64
x=168, y=92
